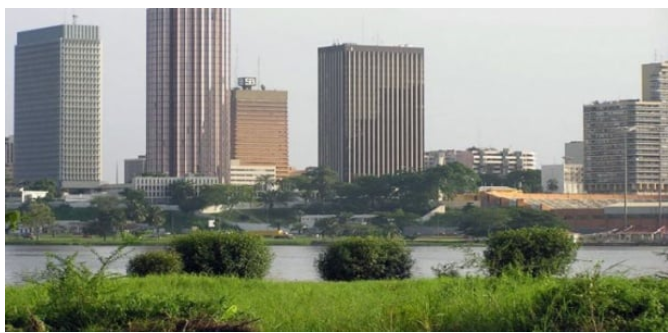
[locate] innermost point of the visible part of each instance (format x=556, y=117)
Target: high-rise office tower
x=370, y=109
x=260, y=127
x=57, y=108
x=187, y=86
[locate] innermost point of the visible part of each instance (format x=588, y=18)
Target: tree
x=322, y=181
x=534, y=251
x=552, y=185
x=136, y=206
x=44, y=185
x=226, y=195
x=109, y=215
x=182, y=193
x=155, y=218
x=271, y=192
x=526, y=180
x=12, y=219
x=37, y=215
x=454, y=178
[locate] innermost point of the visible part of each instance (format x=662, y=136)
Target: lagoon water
x=296, y=263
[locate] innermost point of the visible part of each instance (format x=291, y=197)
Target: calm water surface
x=296, y=263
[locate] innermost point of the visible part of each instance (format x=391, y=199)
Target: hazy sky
x=497, y=78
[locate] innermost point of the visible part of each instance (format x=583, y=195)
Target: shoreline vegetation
x=515, y=303
x=47, y=240
x=219, y=287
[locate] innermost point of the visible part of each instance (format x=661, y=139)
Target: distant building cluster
x=371, y=116
x=625, y=141
x=484, y=160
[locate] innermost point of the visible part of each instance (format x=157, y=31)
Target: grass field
x=589, y=303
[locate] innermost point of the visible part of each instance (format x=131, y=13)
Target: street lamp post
x=627, y=130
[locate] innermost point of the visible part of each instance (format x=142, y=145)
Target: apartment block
x=625, y=140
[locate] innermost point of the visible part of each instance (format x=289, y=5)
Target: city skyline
x=501, y=78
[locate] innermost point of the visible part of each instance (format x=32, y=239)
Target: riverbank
x=165, y=240
x=295, y=241
x=590, y=303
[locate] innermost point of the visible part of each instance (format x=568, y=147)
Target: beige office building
x=241, y=174
x=259, y=128
x=370, y=109
x=187, y=84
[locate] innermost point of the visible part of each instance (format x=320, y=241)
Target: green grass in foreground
x=449, y=304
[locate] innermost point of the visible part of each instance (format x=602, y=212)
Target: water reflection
x=296, y=263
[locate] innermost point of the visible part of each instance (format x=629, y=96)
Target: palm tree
x=155, y=218
x=552, y=185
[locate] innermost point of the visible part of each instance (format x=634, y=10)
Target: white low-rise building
x=241, y=174
x=156, y=189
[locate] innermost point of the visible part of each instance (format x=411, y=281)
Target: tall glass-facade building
x=57, y=110
x=187, y=91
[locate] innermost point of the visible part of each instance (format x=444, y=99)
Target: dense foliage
x=232, y=254
x=365, y=259
x=515, y=304
x=481, y=222
x=534, y=251
x=76, y=299
x=155, y=262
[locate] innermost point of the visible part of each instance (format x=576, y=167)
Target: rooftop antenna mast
x=258, y=71
x=74, y=19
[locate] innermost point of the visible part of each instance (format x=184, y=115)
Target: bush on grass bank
x=155, y=262
x=365, y=259
x=231, y=254
x=535, y=251
x=73, y=298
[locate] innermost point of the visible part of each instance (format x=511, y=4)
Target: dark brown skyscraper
x=370, y=109
x=260, y=127
x=187, y=84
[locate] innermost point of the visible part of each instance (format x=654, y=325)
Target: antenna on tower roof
x=74, y=19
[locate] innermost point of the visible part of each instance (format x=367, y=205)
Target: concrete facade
x=259, y=128
x=370, y=109
x=187, y=91
x=569, y=177
x=502, y=162
x=655, y=82
x=57, y=109
x=574, y=152
x=156, y=189
x=242, y=174
x=625, y=131
x=133, y=167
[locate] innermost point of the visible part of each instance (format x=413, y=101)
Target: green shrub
x=534, y=251
x=365, y=259
x=232, y=254
x=156, y=262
